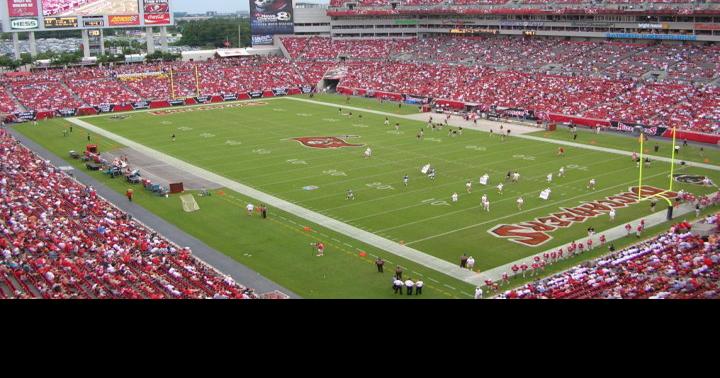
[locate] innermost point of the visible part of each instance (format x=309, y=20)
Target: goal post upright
x=641, y=163
x=672, y=169
x=672, y=160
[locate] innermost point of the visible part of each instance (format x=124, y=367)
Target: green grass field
x=253, y=145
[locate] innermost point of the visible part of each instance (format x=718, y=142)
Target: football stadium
x=370, y=149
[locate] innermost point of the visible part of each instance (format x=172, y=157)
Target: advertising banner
x=124, y=20
x=230, y=97
x=22, y=8
x=24, y=24
x=141, y=105
x=270, y=17
x=157, y=19
x=25, y=116
x=280, y=91
x=66, y=112
x=410, y=99
x=255, y=94
x=105, y=108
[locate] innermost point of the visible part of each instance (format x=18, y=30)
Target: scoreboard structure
x=40, y=15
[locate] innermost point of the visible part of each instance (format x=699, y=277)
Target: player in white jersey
x=486, y=205
x=483, y=199
x=612, y=214
x=454, y=197
x=500, y=188
x=549, y=177
x=405, y=180
x=515, y=177
x=591, y=184
x=349, y=195
x=387, y=121
x=520, y=202
x=368, y=152
x=561, y=172
x=468, y=186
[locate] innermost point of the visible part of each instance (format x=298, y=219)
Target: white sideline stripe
x=619, y=152
x=469, y=126
x=390, y=246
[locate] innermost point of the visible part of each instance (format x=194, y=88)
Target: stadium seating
x=61, y=240
x=674, y=265
x=7, y=104
x=602, y=80
x=40, y=94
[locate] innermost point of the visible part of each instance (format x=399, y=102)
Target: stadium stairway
x=654, y=76
x=716, y=82
x=127, y=88
x=72, y=93
x=284, y=51
x=17, y=102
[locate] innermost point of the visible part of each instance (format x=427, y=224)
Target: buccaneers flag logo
x=325, y=142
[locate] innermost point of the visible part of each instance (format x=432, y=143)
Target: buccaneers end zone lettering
x=536, y=232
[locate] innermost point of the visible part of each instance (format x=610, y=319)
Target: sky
x=201, y=6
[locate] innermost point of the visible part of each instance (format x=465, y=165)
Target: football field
x=311, y=155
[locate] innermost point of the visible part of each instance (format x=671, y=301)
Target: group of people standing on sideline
x=397, y=282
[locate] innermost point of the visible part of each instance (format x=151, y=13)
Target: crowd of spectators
x=59, y=239
x=675, y=265
x=602, y=80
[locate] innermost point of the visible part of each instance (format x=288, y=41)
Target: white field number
x=577, y=167
x=297, y=162
x=524, y=157
x=476, y=148
x=261, y=151
x=436, y=202
x=333, y=172
x=380, y=186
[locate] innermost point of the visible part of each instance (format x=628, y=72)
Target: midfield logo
x=536, y=233
x=325, y=142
